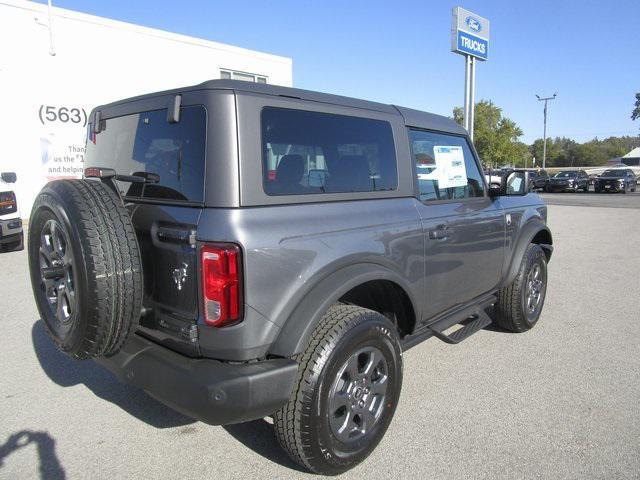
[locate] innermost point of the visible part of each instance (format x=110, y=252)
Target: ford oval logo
x=473, y=24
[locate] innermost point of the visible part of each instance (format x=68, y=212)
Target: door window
x=445, y=167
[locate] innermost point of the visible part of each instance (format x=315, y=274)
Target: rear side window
x=309, y=152
x=445, y=167
x=146, y=142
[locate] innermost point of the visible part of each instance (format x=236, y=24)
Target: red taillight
x=221, y=273
x=7, y=202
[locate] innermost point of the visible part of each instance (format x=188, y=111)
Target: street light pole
x=544, y=141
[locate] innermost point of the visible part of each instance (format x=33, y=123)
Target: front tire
x=519, y=305
x=348, y=386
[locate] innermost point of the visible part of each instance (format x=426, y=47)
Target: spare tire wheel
x=85, y=265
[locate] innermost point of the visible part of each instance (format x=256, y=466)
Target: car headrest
x=350, y=173
x=290, y=169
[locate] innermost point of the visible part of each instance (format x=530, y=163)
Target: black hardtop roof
x=414, y=118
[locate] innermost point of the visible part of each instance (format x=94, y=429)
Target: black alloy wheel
x=534, y=289
x=358, y=394
x=57, y=272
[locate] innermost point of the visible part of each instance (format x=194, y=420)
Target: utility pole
x=544, y=142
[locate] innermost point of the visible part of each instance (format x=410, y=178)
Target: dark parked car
x=243, y=250
x=539, y=179
x=569, y=181
x=616, y=180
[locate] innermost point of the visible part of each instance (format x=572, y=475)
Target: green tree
x=589, y=154
x=559, y=152
x=495, y=136
x=636, y=111
x=564, y=152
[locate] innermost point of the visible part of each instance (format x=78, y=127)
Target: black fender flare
x=528, y=232
x=299, y=326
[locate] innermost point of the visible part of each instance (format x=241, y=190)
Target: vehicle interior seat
x=289, y=173
x=350, y=174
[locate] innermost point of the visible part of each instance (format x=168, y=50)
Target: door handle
x=441, y=232
x=175, y=235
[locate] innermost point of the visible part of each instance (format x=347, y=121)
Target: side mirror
x=9, y=177
x=516, y=183
x=317, y=178
x=495, y=191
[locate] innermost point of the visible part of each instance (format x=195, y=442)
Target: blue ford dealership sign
x=476, y=46
x=469, y=34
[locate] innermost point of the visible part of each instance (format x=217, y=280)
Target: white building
x=53, y=73
x=632, y=158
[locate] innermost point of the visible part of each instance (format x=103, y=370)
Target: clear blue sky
x=399, y=52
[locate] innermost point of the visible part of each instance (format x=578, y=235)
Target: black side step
x=465, y=315
x=478, y=322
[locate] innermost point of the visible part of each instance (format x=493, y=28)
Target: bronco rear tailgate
x=160, y=166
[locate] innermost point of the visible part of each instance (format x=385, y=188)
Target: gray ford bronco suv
x=243, y=250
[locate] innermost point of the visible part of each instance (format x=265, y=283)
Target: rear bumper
x=11, y=233
x=559, y=188
x=214, y=392
x=10, y=227
x=609, y=188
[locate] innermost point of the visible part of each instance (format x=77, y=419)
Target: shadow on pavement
x=260, y=437
x=494, y=327
x=67, y=372
x=49, y=466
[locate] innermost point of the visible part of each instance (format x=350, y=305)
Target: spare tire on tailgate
x=85, y=265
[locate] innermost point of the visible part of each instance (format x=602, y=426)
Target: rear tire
x=519, y=305
x=348, y=386
x=85, y=267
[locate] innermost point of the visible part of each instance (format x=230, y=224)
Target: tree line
x=496, y=139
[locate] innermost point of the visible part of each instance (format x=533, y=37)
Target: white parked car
x=11, y=234
x=494, y=176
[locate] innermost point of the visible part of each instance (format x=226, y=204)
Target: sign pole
x=467, y=91
x=472, y=97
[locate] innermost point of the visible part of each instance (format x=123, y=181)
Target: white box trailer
x=53, y=74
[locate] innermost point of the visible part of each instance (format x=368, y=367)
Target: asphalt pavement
x=592, y=199
x=559, y=402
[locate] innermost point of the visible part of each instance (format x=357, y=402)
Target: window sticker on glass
x=450, y=166
x=515, y=185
